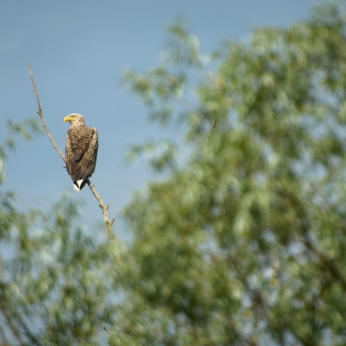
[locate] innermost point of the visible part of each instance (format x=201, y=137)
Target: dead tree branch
x=103, y=206
x=41, y=115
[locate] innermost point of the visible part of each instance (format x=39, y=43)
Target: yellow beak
x=68, y=118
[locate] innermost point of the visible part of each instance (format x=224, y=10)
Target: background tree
x=243, y=240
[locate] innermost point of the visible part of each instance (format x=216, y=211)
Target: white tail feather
x=77, y=185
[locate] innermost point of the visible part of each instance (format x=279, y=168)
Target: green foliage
x=245, y=243
x=160, y=154
x=26, y=129
x=55, y=281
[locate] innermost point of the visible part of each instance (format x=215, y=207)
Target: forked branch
x=108, y=223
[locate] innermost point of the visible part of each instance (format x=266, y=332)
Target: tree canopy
x=242, y=241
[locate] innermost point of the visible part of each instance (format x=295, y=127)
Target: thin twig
x=216, y=95
x=13, y=318
x=49, y=325
x=103, y=206
x=3, y=336
x=214, y=84
x=41, y=116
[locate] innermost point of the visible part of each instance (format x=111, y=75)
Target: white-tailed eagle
x=80, y=150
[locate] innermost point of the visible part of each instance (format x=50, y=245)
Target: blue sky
x=77, y=50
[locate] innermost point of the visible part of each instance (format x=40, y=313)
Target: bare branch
x=41, y=116
x=104, y=208
x=108, y=223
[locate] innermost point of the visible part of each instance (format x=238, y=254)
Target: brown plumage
x=80, y=150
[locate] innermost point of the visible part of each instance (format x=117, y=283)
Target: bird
x=81, y=149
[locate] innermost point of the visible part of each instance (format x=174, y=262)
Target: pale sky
x=77, y=50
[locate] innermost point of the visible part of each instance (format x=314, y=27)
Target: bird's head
x=74, y=119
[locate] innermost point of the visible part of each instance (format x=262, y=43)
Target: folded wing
x=81, y=154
